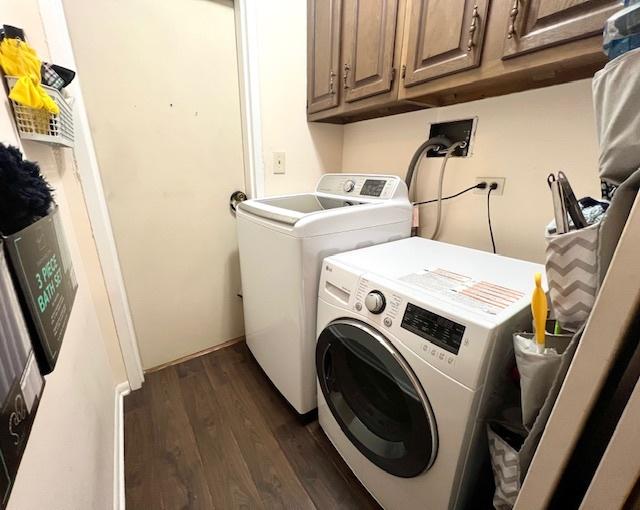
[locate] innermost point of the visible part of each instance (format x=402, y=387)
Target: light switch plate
x=279, y=161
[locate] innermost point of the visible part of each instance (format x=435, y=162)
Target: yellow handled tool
x=539, y=310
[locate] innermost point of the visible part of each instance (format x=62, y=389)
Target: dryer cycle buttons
x=388, y=322
x=358, y=306
x=375, y=302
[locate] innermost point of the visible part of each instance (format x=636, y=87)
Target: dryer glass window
x=375, y=398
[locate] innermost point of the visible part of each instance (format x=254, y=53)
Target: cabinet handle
x=473, y=27
x=513, y=17
x=332, y=89
x=345, y=75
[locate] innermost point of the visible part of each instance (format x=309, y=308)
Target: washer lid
x=292, y=208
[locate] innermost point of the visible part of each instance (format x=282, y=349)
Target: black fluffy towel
x=25, y=196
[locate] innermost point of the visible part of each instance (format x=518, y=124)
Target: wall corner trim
x=119, y=501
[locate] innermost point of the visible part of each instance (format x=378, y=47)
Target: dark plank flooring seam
x=291, y=422
x=214, y=433
x=200, y=372
x=271, y=478
x=271, y=425
x=179, y=462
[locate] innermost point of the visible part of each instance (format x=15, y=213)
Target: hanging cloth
x=19, y=59
x=616, y=93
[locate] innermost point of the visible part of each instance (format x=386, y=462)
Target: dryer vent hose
x=434, y=143
x=438, y=143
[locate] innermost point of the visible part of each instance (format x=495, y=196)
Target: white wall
x=521, y=136
x=69, y=459
x=161, y=89
x=311, y=149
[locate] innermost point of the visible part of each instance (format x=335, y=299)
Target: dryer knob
x=349, y=186
x=375, y=302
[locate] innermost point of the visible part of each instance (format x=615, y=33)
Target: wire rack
x=40, y=125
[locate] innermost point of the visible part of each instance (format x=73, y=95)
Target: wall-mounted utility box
x=42, y=267
x=21, y=384
x=456, y=130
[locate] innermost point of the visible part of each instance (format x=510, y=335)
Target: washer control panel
x=362, y=186
x=349, y=186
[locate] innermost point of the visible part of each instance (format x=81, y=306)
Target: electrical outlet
x=278, y=162
x=500, y=181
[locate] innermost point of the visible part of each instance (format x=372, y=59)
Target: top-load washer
x=282, y=242
x=414, y=340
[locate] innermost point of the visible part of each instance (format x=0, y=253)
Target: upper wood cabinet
x=323, y=54
x=536, y=24
x=368, y=47
x=444, y=37
x=370, y=58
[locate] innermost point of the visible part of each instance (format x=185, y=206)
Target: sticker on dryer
x=479, y=296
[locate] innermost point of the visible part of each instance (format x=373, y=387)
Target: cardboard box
x=41, y=265
x=21, y=384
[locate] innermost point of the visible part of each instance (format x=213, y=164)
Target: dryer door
x=376, y=398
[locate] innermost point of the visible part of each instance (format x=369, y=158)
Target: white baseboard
x=121, y=391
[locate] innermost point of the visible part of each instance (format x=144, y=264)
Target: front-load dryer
x=413, y=339
x=282, y=241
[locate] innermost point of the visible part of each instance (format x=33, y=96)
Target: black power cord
x=480, y=185
x=492, y=187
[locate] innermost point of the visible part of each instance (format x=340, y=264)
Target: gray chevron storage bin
x=512, y=444
x=572, y=272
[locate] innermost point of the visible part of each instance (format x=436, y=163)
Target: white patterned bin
x=573, y=274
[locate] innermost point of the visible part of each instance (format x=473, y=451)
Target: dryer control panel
x=362, y=186
x=435, y=328
x=454, y=346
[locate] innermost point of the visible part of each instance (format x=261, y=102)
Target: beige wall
x=69, y=459
x=521, y=136
x=161, y=90
x=311, y=149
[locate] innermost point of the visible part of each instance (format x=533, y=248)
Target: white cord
x=448, y=154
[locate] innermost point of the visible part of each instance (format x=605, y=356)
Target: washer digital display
x=436, y=329
x=373, y=187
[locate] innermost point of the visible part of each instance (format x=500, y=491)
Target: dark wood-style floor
x=214, y=433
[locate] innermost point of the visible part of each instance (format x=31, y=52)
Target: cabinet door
x=323, y=54
x=369, y=28
x=536, y=24
x=445, y=36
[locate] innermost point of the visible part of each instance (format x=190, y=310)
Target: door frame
x=59, y=40
x=248, y=78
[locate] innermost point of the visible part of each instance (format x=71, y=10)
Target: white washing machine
x=282, y=242
x=413, y=339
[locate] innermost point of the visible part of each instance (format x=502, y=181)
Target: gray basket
x=573, y=274
x=511, y=444
x=41, y=125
